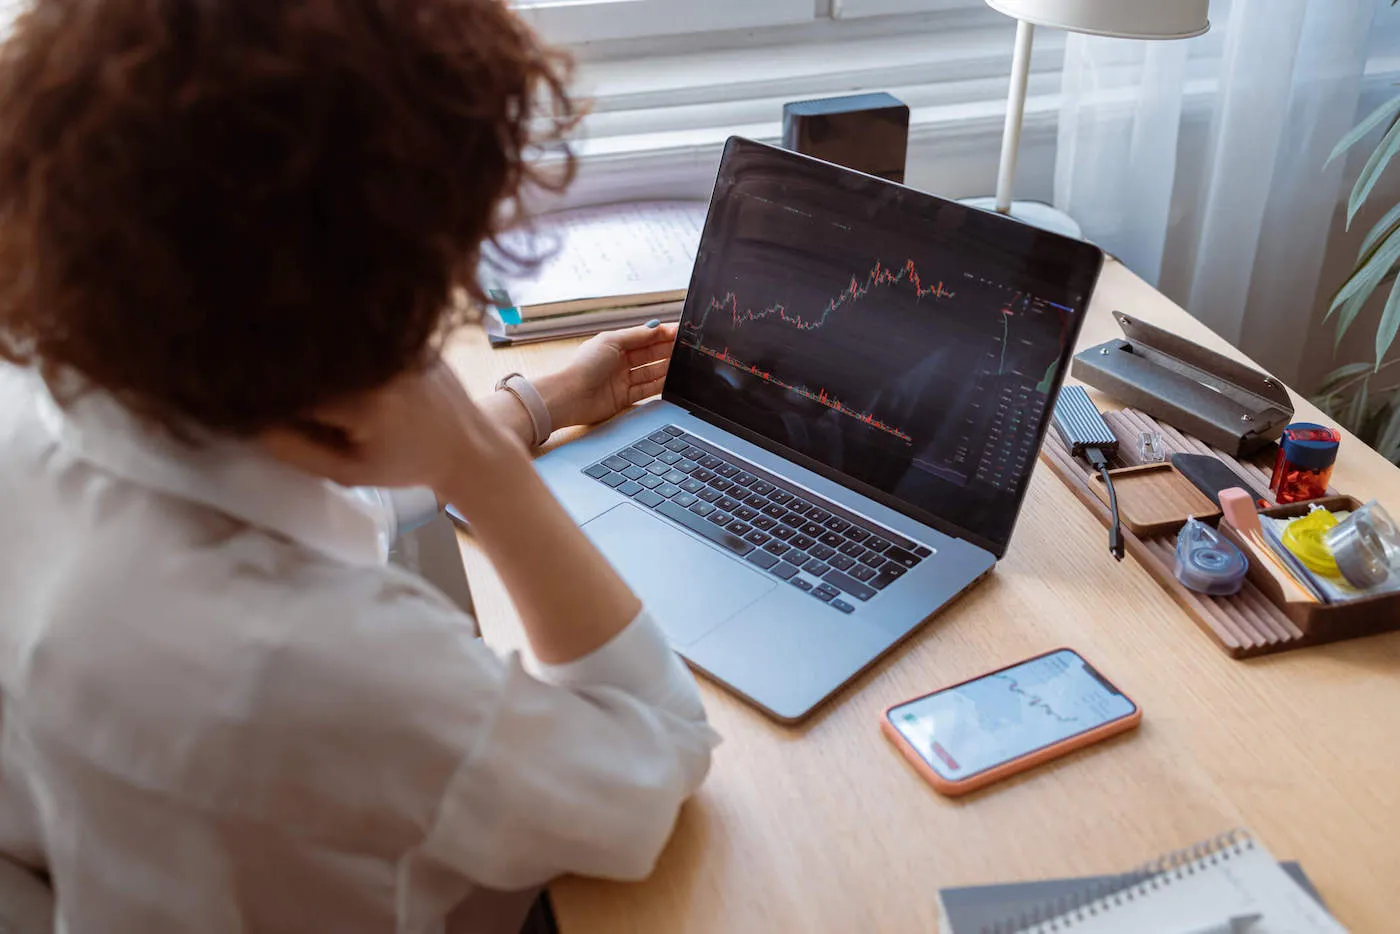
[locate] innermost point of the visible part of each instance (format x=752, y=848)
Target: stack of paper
x=604, y=267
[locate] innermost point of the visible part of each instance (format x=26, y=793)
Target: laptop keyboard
x=812, y=543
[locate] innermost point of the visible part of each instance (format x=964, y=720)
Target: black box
x=865, y=132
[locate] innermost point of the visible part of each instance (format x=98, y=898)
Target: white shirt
x=223, y=712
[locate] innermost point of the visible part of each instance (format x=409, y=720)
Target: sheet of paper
x=611, y=250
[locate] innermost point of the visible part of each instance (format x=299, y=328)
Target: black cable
x=1115, y=534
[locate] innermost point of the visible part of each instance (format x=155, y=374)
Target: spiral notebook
x=1230, y=876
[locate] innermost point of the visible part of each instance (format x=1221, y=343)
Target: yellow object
x=1303, y=537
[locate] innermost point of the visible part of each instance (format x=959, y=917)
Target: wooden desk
x=823, y=828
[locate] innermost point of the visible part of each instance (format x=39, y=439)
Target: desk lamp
x=1124, y=19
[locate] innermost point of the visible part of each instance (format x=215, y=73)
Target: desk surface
x=823, y=828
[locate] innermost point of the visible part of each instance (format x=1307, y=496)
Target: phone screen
x=1002, y=716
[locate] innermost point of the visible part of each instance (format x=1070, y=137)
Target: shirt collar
x=230, y=476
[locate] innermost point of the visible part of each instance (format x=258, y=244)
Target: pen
x=1236, y=925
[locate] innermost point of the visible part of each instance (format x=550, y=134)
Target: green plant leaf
x=1371, y=172
x=1350, y=310
x=1383, y=229
x=1388, y=442
x=1341, y=373
x=1390, y=323
x=1356, y=412
x=1367, y=276
x=1375, y=118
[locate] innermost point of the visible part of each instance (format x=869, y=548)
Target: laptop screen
x=903, y=345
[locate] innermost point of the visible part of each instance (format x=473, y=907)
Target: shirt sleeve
x=582, y=768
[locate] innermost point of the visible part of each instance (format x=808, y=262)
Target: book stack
x=604, y=267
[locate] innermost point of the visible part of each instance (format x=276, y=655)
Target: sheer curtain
x=1199, y=163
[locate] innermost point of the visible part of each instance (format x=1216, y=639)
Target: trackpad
x=689, y=587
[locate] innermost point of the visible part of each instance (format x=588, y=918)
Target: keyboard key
x=677, y=447
x=793, y=520
x=821, y=551
x=703, y=475
x=692, y=452
x=672, y=430
x=615, y=463
x=899, y=540
x=849, y=584
x=649, y=498
x=777, y=547
x=651, y=482
x=666, y=457
x=728, y=504
x=852, y=549
x=784, y=571
x=842, y=562
x=781, y=497
x=613, y=479
x=701, y=508
x=763, y=522
x=667, y=490
x=800, y=584
x=649, y=447
x=774, y=510
x=877, y=544
x=710, y=462
x=633, y=472
x=822, y=595
x=762, y=559
x=783, y=532
x=837, y=524
x=721, y=484
x=818, y=515
x=862, y=573
x=900, y=556
x=636, y=457
x=754, y=501
x=726, y=470
x=857, y=534
x=811, y=529
x=801, y=505
x=745, y=513
x=720, y=518
x=687, y=466
x=745, y=479
x=803, y=542
x=658, y=468
x=708, y=495
x=888, y=575
x=827, y=590
x=816, y=567
x=923, y=551
x=757, y=538
x=739, y=528
x=704, y=528
x=630, y=489
x=872, y=559
x=843, y=606
x=831, y=540
x=661, y=437
x=762, y=487
x=674, y=476
x=691, y=485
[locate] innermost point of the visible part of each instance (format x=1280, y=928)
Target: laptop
x=860, y=385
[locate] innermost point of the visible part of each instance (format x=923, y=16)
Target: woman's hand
x=609, y=372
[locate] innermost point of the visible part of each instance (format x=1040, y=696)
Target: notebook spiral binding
x=1065, y=913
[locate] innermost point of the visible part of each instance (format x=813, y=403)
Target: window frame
x=579, y=21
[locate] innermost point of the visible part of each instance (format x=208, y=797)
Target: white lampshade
x=1126, y=19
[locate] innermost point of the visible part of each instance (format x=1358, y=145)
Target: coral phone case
x=1013, y=766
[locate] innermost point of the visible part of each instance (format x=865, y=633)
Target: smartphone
x=980, y=731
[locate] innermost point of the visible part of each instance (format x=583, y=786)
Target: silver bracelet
x=530, y=398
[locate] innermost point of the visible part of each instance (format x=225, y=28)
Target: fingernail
x=654, y=323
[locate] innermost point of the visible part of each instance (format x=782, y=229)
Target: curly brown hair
x=226, y=212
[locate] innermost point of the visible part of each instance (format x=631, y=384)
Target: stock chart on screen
x=893, y=343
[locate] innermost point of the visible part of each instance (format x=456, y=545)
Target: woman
x=232, y=230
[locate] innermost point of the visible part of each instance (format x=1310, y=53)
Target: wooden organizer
x=1253, y=621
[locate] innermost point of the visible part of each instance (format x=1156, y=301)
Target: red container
x=1303, y=468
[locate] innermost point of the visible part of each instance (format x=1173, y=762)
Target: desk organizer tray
x=1254, y=621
